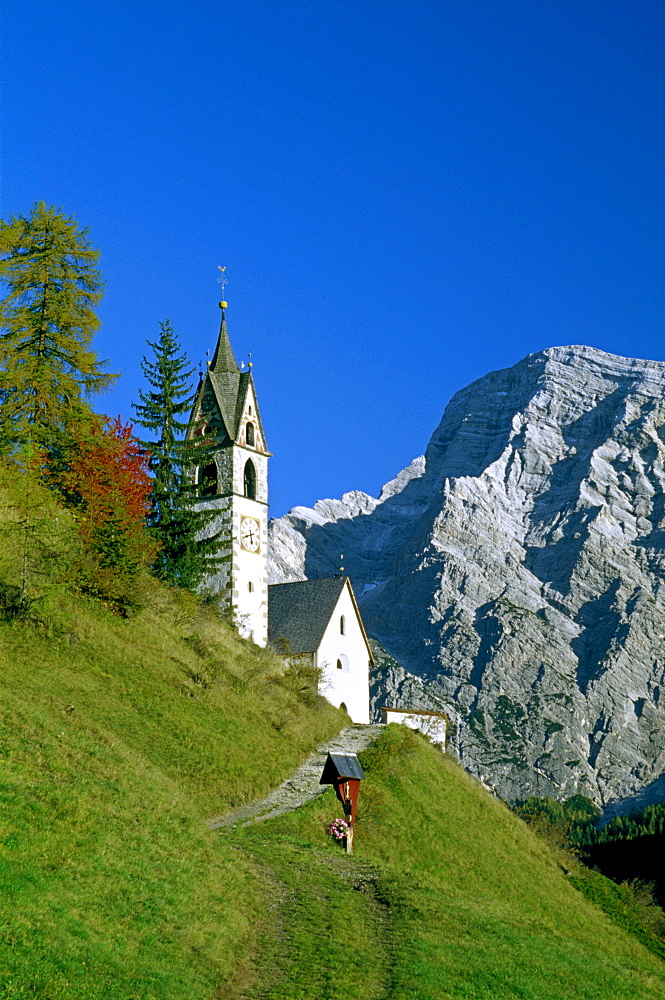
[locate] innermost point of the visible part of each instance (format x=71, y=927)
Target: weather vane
x=223, y=281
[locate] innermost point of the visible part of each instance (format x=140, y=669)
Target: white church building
x=318, y=619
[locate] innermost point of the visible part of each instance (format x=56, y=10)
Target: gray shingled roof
x=225, y=379
x=223, y=359
x=299, y=612
x=226, y=387
x=229, y=385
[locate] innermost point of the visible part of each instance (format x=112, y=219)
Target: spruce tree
x=48, y=370
x=184, y=557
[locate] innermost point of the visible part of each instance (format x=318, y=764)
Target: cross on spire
x=223, y=281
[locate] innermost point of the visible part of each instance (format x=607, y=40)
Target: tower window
x=249, y=434
x=208, y=480
x=249, y=410
x=339, y=665
x=342, y=626
x=250, y=480
x=250, y=587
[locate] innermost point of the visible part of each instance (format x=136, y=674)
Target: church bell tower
x=234, y=483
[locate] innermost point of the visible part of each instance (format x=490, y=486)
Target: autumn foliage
x=102, y=474
x=49, y=434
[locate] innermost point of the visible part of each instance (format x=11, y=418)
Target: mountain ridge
x=516, y=570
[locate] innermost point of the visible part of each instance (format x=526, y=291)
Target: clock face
x=250, y=534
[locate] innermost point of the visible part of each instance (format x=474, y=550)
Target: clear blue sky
x=406, y=195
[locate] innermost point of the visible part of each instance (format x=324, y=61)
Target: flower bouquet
x=339, y=829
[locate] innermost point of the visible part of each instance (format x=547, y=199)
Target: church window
x=249, y=434
x=208, y=480
x=250, y=480
x=342, y=626
x=339, y=665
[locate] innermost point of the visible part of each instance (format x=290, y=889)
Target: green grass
x=460, y=898
x=120, y=737
x=117, y=739
x=630, y=906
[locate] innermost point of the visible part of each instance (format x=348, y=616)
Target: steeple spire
x=223, y=359
x=233, y=480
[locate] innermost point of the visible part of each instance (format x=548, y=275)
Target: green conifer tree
x=48, y=370
x=177, y=524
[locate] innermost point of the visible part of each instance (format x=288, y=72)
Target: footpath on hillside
x=302, y=786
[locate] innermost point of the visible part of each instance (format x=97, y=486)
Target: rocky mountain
x=516, y=573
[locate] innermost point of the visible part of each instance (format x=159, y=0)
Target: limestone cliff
x=517, y=571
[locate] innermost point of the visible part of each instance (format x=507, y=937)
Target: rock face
x=516, y=574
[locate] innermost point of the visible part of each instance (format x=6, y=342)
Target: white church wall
x=241, y=567
x=250, y=567
x=242, y=452
x=432, y=724
x=250, y=573
x=348, y=683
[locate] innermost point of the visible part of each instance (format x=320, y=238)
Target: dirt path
x=319, y=903
x=301, y=786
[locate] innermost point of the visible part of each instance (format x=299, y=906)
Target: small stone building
x=318, y=620
x=432, y=724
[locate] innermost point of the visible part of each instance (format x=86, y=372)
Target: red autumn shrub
x=103, y=474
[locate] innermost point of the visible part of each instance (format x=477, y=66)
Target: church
x=316, y=619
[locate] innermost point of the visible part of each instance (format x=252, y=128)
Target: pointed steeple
x=226, y=380
x=223, y=359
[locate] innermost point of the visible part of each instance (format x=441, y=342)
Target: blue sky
x=406, y=195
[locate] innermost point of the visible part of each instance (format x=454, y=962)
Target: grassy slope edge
x=449, y=896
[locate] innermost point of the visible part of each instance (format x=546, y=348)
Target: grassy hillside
x=117, y=738
x=448, y=896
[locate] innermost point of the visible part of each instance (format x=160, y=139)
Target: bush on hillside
x=102, y=475
x=73, y=525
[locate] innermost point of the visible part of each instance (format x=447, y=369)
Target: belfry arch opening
x=250, y=480
x=208, y=480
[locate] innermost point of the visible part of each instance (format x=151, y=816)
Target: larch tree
x=48, y=370
x=178, y=525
